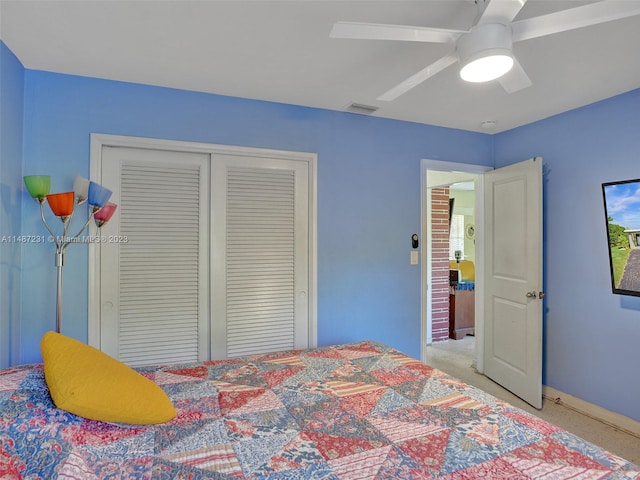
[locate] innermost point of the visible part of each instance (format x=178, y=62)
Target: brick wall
x=440, y=264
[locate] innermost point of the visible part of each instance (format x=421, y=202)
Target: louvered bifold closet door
x=162, y=268
x=260, y=260
x=265, y=258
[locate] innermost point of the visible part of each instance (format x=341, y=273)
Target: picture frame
x=622, y=220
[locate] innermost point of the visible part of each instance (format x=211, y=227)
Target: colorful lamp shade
x=81, y=188
x=38, y=185
x=61, y=203
x=98, y=195
x=103, y=215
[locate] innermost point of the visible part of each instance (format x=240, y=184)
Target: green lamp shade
x=38, y=185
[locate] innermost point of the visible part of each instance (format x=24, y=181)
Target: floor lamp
x=63, y=206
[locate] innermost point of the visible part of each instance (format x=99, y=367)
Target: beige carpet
x=455, y=357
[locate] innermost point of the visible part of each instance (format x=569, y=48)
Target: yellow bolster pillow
x=84, y=381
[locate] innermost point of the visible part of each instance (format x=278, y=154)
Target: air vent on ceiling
x=361, y=109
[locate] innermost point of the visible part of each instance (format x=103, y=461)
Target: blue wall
x=11, y=121
x=592, y=337
x=368, y=193
x=368, y=206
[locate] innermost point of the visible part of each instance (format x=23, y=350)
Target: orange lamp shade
x=61, y=203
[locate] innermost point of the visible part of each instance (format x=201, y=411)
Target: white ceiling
x=280, y=51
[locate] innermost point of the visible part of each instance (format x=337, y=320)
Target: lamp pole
x=62, y=242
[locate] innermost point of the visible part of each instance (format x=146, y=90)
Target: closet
x=208, y=256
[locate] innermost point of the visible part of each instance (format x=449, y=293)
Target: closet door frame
x=99, y=140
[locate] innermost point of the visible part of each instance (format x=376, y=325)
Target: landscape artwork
x=622, y=214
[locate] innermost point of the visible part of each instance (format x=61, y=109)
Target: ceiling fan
x=485, y=52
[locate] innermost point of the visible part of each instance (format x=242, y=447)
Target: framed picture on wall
x=622, y=216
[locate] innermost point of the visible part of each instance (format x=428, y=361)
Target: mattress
x=354, y=411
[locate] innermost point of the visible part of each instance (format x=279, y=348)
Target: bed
x=353, y=411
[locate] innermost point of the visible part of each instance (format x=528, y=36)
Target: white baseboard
x=603, y=415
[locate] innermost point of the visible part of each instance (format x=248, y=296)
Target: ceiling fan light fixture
x=488, y=67
x=485, y=52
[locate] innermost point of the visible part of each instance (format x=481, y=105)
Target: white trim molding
x=613, y=419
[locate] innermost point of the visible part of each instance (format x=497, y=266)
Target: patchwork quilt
x=356, y=411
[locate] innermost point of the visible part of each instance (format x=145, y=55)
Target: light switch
x=414, y=257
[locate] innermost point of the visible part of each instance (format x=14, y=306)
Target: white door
x=154, y=257
x=211, y=252
x=513, y=278
x=261, y=260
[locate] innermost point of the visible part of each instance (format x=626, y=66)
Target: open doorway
x=508, y=271
x=451, y=212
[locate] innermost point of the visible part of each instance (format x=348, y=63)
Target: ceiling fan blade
x=419, y=77
x=573, y=18
x=378, y=31
x=501, y=11
x=515, y=79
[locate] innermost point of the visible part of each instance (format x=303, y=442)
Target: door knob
x=532, y=295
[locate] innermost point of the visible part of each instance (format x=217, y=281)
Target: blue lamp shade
x=98, y=195
x=38, y=185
